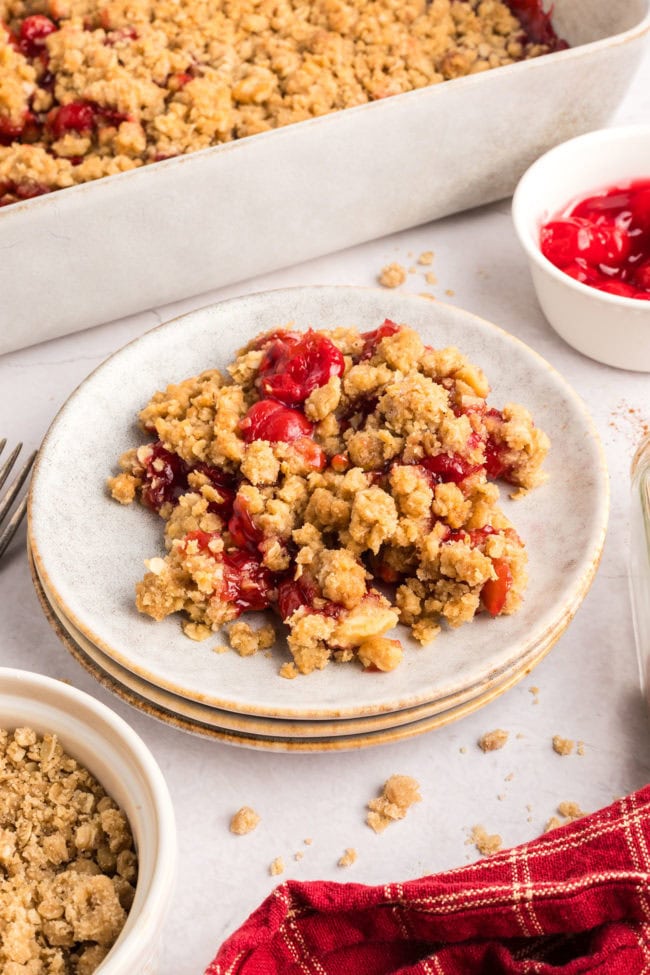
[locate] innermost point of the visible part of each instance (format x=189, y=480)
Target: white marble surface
x=588, y=686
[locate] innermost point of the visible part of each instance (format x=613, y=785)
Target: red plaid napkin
x=575, y=900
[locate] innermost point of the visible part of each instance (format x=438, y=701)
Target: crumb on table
x=245, y=820
x=400, y=792
x=426, y=258
x=349, y=857
x=392, y=275
x=563, y=746
x=486, y=843
x=492, y=741
x=277, y=867
x=569, y=811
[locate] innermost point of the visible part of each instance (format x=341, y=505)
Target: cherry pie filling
x=358, y=510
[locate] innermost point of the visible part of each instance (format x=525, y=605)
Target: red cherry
x=295, y=593
x=225, y=485
x=641, y=276
x=33, y=32
x=293, y=367
x=448, y=467
x=562, y=241
x=244, y=532
x=246, y=582
x=165, y=477
x=269, y=420
x=619, y=288
x=495, y=591
x=73, y=117
x=310, y=452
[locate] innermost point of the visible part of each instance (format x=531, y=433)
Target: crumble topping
x=400, y=792
x=277, y=867
x=67, y=863
x=563, y=746
x=328, y=462
x=392, y=276
x=487, y=844
x=349, y=857
x=245, y=820
x=90, y=88
x=569, y=811
x=491, y=741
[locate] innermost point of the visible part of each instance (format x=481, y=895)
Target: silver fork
x=8, y=528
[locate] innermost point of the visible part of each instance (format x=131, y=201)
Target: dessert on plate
x=344, y=479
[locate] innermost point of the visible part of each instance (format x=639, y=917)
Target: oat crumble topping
x=325, y=462
x=67, y=863
x=392, y=276
x=400, y=792
x=491, y=741
x=349, y=857
x=569, y=811
x=277, y=867
x=487, y=844
x=245, y=820
x=94, y=87
x=563, y=746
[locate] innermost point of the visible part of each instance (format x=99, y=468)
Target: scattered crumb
x=392, y=275
x=529, y=819
x=247, y=641
x=425, y=294
x=308, y=841
x=509, y=777
x=535, y=692
x=220, y=648
x=399, y=794
x=520, y=735
x=277, y=867
x=463, y=749
x=412, y=270
x=629, y=420
x=563, y=746
x=581, y=748
x=430, y=278
x=492, y=741
x=244, y=821
x=450, y=292
x=348, y=858
x=299, y=855
x=501, y=796
x=529, y=807
x=485, y=843
x=570, y=811
x=289, y=671
x=426, y=258
x=196, y=631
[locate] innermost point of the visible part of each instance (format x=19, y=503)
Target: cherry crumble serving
x=330, y=469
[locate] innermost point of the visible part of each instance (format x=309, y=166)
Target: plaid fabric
x=575, y=900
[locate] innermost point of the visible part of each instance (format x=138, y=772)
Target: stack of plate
x=87, y=553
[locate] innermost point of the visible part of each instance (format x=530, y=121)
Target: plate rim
x=566, y=611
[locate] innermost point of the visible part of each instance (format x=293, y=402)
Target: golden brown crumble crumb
x=487, y=844
x=426, y=258
x=308, y=841
x=277, y=867
x=430, y=278
x=400, y=792
x=569, y=811
x=68, y=868
x=450, y=292
x=289, y=671
x=581, y=748
x=509, y=777
x=392, y=275
x=245, y=820
x=349, y=857
x=491, y=741
x=463, y=749
x=247, y=641
x=563, y=746
x=299, y=855
x=535, y=692
x=220, y=648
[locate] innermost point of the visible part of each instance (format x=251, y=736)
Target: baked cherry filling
x=603, y=240
x=295, y=365
x=269, y=420
x=246, y=583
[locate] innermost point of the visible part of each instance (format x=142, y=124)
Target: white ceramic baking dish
x=103, y=250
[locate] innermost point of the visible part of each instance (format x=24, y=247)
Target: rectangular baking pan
x=82, y=256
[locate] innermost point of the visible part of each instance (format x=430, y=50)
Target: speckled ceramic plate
x=112, y=675
x=198, y=719
x=90, y=552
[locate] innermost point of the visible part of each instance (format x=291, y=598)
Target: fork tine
x=3, y=444
x=12, y=492
x=9, y=463
x=10, y=528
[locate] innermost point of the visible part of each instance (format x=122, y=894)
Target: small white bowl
x=605, y=327
x=121, y=762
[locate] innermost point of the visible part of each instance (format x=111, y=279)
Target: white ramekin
x=122, y=763
x=606, y=327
